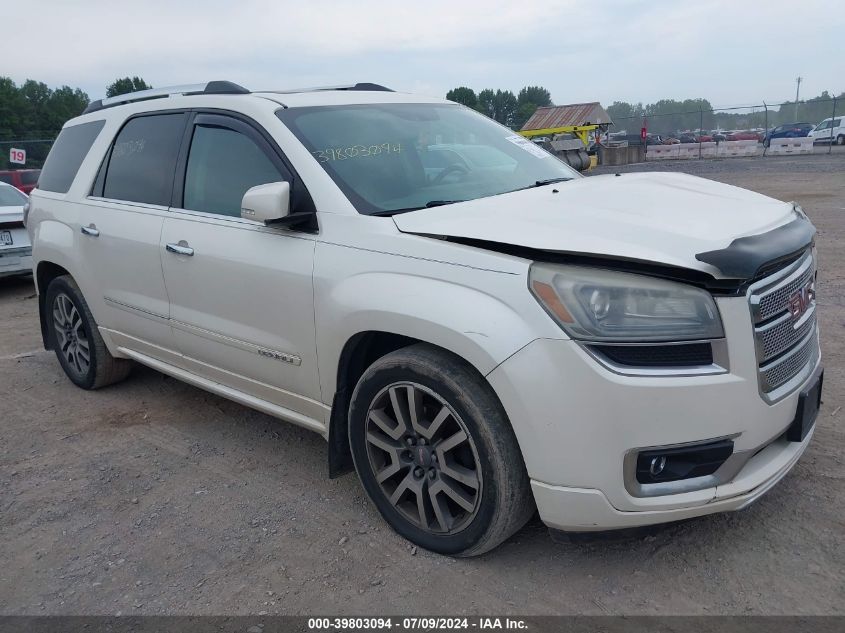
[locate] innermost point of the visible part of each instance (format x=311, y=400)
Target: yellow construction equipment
x=568, y=142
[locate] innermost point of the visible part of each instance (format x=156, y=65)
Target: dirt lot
x=154, y=497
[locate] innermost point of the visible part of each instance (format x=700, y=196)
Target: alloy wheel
x=423, y=458
x=73, y=342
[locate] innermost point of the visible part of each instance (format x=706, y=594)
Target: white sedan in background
x=15, y=247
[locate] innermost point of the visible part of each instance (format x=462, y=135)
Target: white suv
x=831, y=130
x=473, y=326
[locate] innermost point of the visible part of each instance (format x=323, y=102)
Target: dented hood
x=658, y=217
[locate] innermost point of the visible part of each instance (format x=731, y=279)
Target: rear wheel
x=76, y=340
x=436, y=453
x=840, y=140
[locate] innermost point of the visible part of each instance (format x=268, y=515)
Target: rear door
x=241, y=295
x=121, y=228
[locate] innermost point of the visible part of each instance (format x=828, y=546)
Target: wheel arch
x=359, y=352
x=45, y=272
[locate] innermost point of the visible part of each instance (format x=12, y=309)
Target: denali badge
x=801, y=300
x=293, y=359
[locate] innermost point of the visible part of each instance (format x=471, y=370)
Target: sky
x=732, y=52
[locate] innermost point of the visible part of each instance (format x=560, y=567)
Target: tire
x=74, y=335
x=458, y=456
x=840, y=140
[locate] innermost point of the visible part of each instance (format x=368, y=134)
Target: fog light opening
x=660, y=465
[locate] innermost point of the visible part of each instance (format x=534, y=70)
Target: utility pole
x=797, y=91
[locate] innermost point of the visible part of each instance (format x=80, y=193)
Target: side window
x=143, y=159
x=222, y=165
x=67, y=154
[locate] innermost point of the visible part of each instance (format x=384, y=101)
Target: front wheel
x=436, y=454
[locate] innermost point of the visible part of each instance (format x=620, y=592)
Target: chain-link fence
x=31, y=147
x=803, y=127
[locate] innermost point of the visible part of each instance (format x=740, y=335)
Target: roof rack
x=362, y=86
x=210, y=88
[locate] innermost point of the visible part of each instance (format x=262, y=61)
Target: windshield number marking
x=356, y=151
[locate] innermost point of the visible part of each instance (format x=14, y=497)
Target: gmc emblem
x=801, y=300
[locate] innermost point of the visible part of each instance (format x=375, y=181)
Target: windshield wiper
x=541, y=183
x=548, y=181
x=427, y=205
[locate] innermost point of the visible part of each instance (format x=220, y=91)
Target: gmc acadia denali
x=473, y=326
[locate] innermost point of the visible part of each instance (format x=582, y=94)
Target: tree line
x=669, y=115
x=503, y=105
x=35, y=112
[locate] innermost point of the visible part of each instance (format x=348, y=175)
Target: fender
x=52, y=241
x=465, y=319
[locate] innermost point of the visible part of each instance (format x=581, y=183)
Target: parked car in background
x=688, y=138
x=15, y=246
x=743, y=135
x=830, y=130
x=23, y=179
x=789, y=130
x=719, y=136
x=631, y=139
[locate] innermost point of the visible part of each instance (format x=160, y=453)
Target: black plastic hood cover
x=745, y=256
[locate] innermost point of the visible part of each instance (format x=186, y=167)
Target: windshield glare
x=396, y=157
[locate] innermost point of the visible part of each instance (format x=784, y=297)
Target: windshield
x=11, y=197
x=397, y=157
x=827, y=123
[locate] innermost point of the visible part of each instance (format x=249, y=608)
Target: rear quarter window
x=66, y=155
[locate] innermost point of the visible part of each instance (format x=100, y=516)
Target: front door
x=241, y=297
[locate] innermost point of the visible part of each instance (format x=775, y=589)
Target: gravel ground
x=154, y=497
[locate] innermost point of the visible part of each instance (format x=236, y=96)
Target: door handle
x=91, y=230
x=181, y=248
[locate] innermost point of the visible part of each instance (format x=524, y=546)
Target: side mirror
x=266, y=203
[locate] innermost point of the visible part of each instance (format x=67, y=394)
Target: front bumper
x=15, y=261
x=576, y=421
x=587, y=510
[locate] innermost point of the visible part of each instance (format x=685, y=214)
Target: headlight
x=601, y=305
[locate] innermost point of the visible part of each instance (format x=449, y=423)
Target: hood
x=657, y=217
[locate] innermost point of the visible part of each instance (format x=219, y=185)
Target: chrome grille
x=787, y=347
x=774, y=301
x=782, y=369
x=781, y=334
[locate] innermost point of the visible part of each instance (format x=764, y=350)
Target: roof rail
x=210, y=88
x=362, y=86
